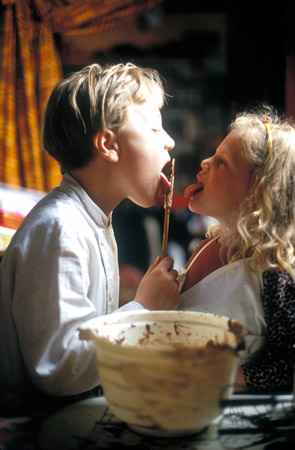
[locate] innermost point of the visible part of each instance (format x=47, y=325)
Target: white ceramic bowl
x=164, y=373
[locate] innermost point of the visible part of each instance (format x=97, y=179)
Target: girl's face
x=223, y=182
x=144, y=146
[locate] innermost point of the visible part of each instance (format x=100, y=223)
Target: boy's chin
x=149, y=204
x=146, y=203
x=148, y=200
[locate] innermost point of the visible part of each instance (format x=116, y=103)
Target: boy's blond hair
x=266, y=224
x=94, y=99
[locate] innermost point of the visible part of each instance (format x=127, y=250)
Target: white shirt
x=235, y=292
x=60, y=270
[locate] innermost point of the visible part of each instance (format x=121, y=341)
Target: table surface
x=90, y=425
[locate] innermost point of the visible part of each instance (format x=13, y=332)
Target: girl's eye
x=220, y=162
x=156, y=130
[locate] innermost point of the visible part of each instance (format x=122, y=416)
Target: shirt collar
x=73, y=188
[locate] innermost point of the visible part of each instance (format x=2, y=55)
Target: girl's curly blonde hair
x=266, y=223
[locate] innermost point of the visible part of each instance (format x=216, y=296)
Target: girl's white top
x=232, y=291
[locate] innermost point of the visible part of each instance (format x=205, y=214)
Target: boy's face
x=143, y=146
x=223, y=182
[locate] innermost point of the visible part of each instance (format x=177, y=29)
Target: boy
x=103, y=126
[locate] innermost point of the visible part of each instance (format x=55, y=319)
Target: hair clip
x=267, y=126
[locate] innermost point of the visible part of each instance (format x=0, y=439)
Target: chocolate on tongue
x=168, y=206
x=169, y=193
x=164, y=185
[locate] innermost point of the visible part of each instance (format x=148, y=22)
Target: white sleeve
x=50, y=303
x=130, y=306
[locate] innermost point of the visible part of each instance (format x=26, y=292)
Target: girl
x=245, y=268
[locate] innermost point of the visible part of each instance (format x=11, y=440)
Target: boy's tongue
x=163, y=186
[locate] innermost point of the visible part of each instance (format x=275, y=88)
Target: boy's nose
x=170, y=142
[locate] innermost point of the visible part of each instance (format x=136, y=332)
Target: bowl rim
x=89, y=330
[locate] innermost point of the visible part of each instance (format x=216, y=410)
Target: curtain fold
x=31, y=67
x=8, y=149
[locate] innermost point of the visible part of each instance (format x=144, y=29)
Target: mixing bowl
x=164, y=373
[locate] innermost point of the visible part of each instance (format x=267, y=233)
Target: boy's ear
x=106, y=145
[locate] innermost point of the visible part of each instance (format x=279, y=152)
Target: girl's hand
x=158, y=289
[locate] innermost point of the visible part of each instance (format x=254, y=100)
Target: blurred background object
x=15, y=204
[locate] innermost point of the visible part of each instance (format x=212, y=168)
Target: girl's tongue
x=192, y=189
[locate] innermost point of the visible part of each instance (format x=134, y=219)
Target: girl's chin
x=193, y=208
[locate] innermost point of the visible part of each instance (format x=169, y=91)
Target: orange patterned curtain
x=31, y=67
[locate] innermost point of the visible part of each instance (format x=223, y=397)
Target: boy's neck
x=99, y=185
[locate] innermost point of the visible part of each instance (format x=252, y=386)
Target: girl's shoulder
x=206, y=241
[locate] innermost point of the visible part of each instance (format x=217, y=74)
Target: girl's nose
x=205, y=164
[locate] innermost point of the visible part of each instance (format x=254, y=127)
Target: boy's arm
x=63, y=279
x=50, y=303
x=52, y=300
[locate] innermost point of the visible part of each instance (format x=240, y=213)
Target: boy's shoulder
x=56, y=221
x=55, y=206
x=56, y=213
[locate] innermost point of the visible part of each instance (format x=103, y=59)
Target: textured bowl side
x=171, y=393
x=167, y=387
